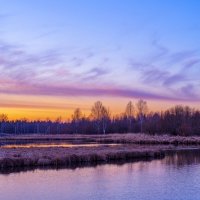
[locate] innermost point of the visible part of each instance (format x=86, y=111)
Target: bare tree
x=76, y=118
x=3, y=119
x=141, y=111
x=96, y=114
x=58, y=123
x=129, y=113
x=100, y=115
x=105, y=118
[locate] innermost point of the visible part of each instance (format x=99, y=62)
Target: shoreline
x=131, y=148
x=128, y=138
x=46, y=157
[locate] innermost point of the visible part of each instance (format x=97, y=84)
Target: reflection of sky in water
x=47, y=145
x=175, y=177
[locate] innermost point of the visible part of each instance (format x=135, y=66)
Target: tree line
x=179, y=120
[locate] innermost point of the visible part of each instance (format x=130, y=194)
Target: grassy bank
x=132, y=146
x=33, y=157
x=149, y=139
x=109, y=138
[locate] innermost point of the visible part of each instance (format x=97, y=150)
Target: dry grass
x=149, y=139
x=110, y=138
x=29, y=157
x=134, y=146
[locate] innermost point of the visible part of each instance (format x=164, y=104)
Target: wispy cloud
x=191, y=63
x=189, y=90
x=155, y=76
x=94, y=74
x=174, y=79
x=169, y=71
x=52, y=90
x=49, y=73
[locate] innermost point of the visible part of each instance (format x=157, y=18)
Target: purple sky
x=93, y=49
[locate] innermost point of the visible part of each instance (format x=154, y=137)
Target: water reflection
x=176, y=177
x=47, y=145
x=182, y=157
x=73, y=167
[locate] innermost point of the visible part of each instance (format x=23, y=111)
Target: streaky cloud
x=49, y=90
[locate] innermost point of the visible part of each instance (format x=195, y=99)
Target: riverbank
x=129, y=138
x=24, y=152
x=11, y=158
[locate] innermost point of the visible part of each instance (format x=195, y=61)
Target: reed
x=131, y=146
x=34, y=157
x=129, y=138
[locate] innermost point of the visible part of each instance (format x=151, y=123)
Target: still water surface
x=176, y=177
x=47, y=145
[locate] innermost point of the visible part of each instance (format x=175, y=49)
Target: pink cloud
x=52, y=90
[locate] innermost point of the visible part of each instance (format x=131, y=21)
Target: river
x=176, y=177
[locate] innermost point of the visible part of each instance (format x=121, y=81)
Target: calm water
x=175, y=177
x=47, y=145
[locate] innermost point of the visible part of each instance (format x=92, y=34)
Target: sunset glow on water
x=174, y=177
x=99, y=82
x=53, y=145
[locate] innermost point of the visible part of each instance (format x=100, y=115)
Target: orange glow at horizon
x=45, y=107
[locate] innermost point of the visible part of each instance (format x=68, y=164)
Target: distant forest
x=179, y=120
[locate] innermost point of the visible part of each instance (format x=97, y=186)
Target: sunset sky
x=58, y=55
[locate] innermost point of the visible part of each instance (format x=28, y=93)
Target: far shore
x=129, y=147
x=128, y=138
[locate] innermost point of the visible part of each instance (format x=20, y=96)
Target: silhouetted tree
x=76, y=119
x=58, y=124
x=3, y=120
x=141, y=111
x=179, y=120
x=100, y=115
x=129, y=114
x=105, y=118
